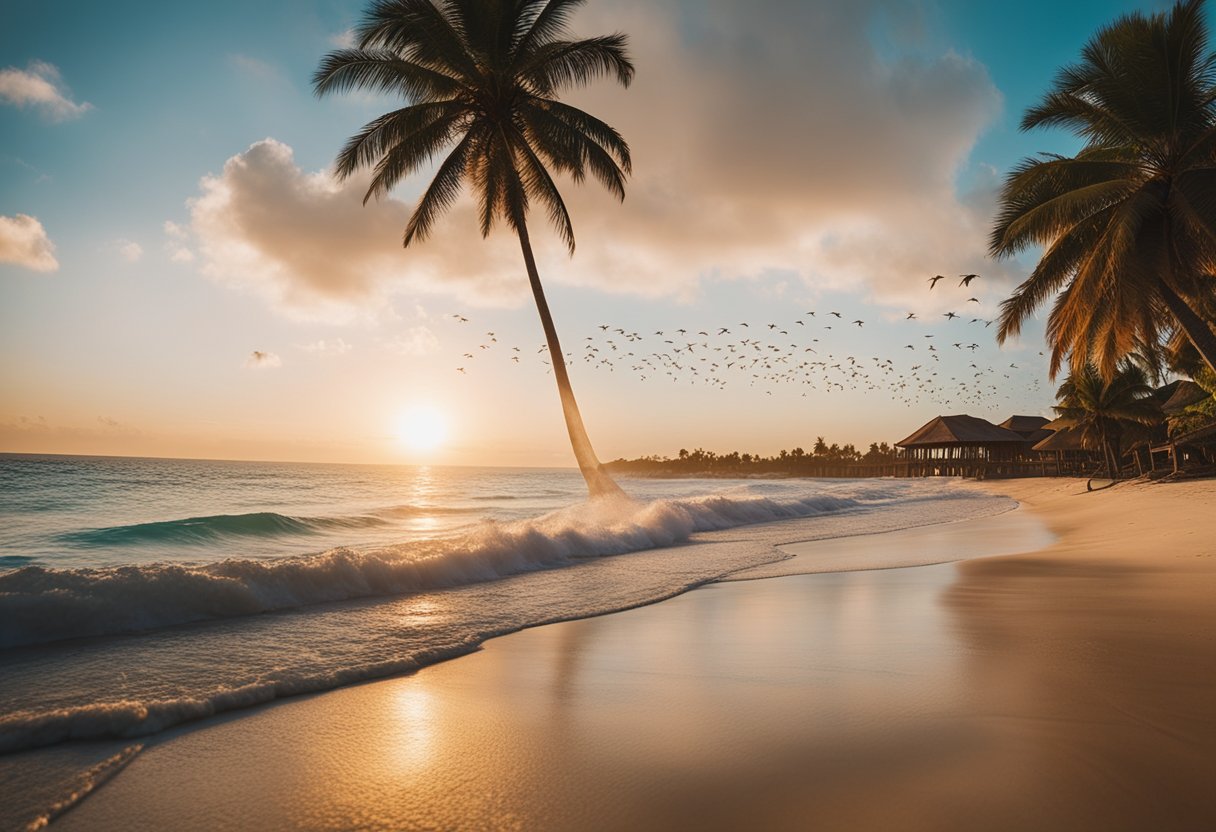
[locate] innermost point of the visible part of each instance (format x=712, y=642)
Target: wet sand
x=1070, y=688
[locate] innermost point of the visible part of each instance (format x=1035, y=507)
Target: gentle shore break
x=1065, y=688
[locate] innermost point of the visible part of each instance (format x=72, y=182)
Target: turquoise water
x=138, y=594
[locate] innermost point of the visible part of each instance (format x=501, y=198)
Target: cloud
x=175, y=244
x=335, y=346
x=779, y=136
x=308, y=245
x=23, y=241
x=39, y=85
x=129, y=250
x=260, y=360
x=791, y=136
x=343, y=40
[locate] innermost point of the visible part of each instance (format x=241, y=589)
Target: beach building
x=1196, y=446
x=1065, y=447
x=968, y=446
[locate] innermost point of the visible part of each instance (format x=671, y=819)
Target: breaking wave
x=39, y=605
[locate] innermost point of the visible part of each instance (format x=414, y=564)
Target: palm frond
x=418, y=31
x=587, y=124
x=559, y=64
x=379, y=136
x=536, y=180
x=410, y=154
x=442, y=191
x=546, y=24
x=382, y=71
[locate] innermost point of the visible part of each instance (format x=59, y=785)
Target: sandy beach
x=1064, y=688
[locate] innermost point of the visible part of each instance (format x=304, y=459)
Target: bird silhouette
x=933, y=280
x=967, y=278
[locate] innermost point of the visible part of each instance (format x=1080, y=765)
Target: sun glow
x=422, y=427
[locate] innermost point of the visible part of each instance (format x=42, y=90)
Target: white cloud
x=129, y=250
x=343, y=40
x=309, y=246
x=24, y=242
x=261, y=360
x=39, y=85
x=767, y=137
x=175, y=245
x=335, y=346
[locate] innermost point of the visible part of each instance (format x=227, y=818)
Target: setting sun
x=422, y=427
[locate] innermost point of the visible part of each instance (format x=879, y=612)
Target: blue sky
x=820, y=205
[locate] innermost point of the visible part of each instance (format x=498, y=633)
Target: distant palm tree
x=484, y=76
x=1106, y=411
x=1129, y=223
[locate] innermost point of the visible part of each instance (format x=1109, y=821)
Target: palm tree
x=1128, y=224
x=484, y=75
x=1107, y=410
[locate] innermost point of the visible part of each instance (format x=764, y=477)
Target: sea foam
x=39, y=605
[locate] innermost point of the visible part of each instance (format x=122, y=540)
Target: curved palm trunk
x=1197, y=330
x=598, y=481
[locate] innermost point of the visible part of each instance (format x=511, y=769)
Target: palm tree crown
x=482, y=75
x=1107, y=411
x=1128, y=225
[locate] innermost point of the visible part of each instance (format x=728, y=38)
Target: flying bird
x=967, y=278
x=933, y=280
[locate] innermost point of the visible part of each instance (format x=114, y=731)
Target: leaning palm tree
x=483, y=75
x=1128, y=225
x=1107, y=411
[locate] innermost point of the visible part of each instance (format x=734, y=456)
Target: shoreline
x=1005, y=691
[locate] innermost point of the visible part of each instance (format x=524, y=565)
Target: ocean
x=140, y=594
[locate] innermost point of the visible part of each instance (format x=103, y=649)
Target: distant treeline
x=795, y=463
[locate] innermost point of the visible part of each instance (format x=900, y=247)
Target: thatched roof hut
x=959, y=430
x=1185, y=393
x=1025, y=425
x=1063, y=439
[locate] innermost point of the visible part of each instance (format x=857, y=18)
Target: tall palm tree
x=1128, y=225
x=484, y=75
x=1107, y=411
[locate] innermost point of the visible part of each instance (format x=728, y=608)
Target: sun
x=422, y=427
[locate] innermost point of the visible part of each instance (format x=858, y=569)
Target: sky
x=181, y=275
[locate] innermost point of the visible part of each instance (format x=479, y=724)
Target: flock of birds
x=795, y=354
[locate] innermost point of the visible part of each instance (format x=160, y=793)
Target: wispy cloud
x=24, y=242
x=128, y=250
x=343, y=40
x=261, y=360
x=176, y=243
x=40, y=86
